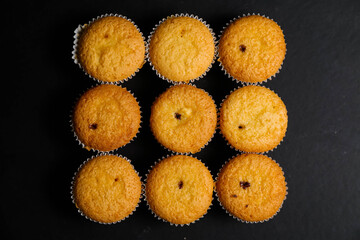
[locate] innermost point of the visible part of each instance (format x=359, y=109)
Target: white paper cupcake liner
x=211, y=138
x=147, y=203
x=77, y=33
x=152, y=33
x=223, y=68
x=227, y=142
x=73, y=182
x=239, y=219
x=73, y=128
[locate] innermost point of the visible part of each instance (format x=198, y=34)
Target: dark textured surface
x=319, y=84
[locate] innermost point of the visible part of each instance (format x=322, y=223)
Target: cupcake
x=182, y=48
x=251, y=187
x=183, y=118
x=106, y=189
x=253, y=119
x=252, y=49
x=106, y=117
x=110, y=49
x=179, y=189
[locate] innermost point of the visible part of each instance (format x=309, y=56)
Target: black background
x=319, y=83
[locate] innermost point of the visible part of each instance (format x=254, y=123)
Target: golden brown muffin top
x=111, y=49
x=252, y=48
x=253, y=119
x=183, y=118
x=181, y=49
x=179, y=189
x=251, y=187
x=107, y=189
x=106, y=117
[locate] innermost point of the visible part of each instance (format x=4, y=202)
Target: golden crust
x=111, y=49
x=181, y=49
x=107, y=189
x=179, y=189
x=252, y=48
x=106, y=117
x=251, y=187
x=253, y=119
x=183, y=118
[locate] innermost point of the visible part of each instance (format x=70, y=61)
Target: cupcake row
x=179, y=188
x=183, y=119
x=181, y=48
